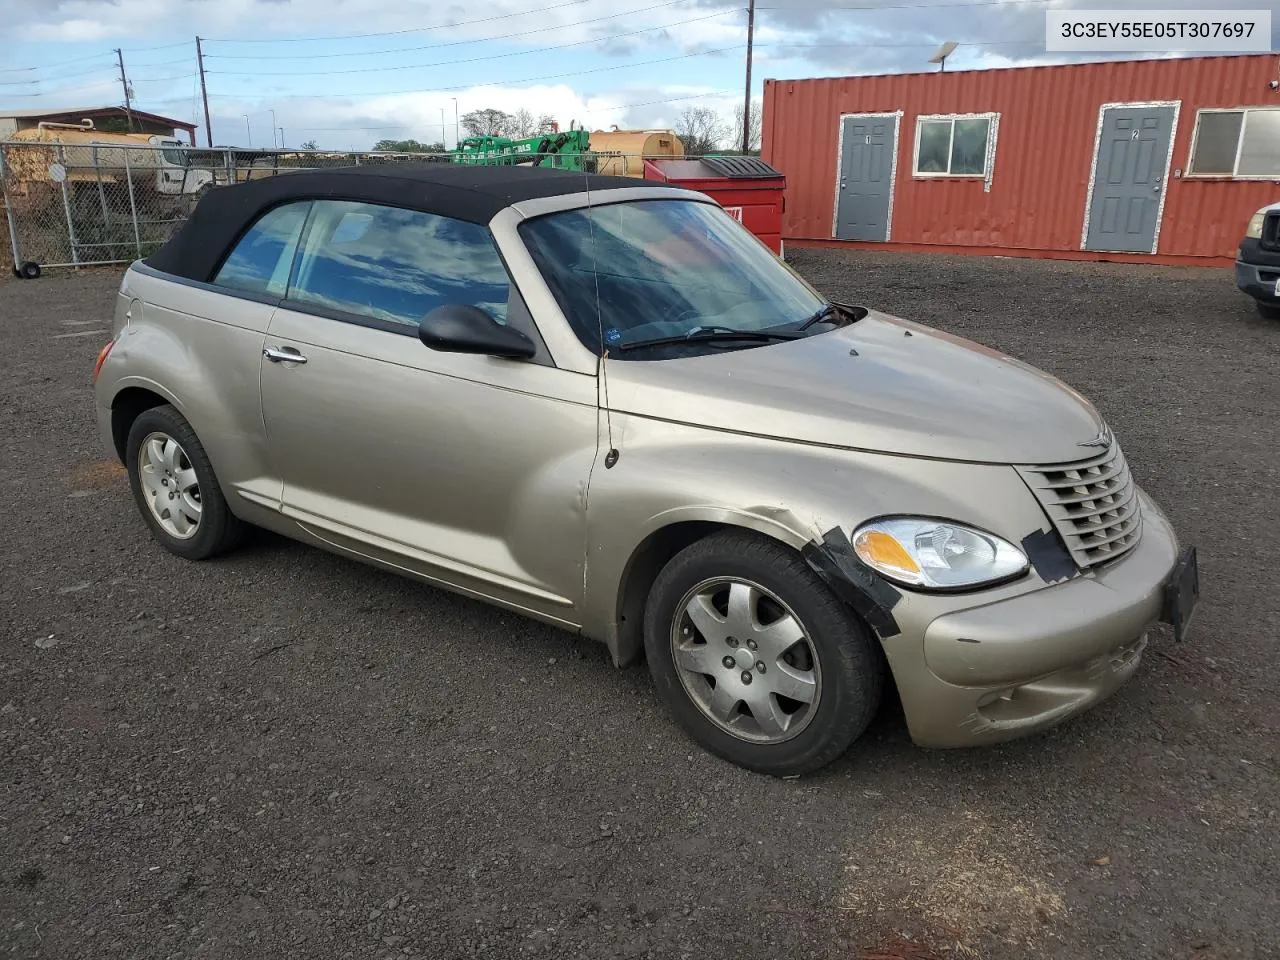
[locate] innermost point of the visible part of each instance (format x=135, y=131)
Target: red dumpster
x=749, y=189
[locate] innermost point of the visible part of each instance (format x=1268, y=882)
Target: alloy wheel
x=745, y=660
x=169, y=485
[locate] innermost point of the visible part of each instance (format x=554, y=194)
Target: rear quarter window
x=260, y=260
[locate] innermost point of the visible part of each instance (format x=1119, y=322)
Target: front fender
x=805, y=496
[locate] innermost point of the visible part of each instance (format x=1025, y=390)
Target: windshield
x=174, y=155
x=661, y=269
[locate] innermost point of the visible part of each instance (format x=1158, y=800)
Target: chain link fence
x=81, y=204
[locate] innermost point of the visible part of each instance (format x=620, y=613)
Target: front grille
x=1270, y=232
x=1093, y=504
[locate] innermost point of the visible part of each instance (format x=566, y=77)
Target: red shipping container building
x=1144, y=160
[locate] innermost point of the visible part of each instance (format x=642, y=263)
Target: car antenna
x=611, y=457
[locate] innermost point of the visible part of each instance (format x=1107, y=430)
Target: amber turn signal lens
x=102, y=358
x=880, y=550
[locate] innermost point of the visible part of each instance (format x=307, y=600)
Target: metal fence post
x=102, y=196
x=66, y=208
x=8, y=208
x=231, y=168
x=133, y=206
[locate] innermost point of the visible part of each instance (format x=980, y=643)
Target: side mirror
x=462, y=328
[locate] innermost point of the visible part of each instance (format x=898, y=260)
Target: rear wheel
x=756, y=658
x=175, y=487
x=1268, y=311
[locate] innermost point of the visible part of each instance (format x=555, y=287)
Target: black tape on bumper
x=853, y=581
x=1049, y=556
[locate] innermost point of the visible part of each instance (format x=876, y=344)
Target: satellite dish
x=940, y=55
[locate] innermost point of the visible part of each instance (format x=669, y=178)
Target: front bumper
x=1019, y=665
x=1258, y=281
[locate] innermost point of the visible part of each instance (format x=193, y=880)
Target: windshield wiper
x=826, y=312
x=834, y=311
x=710, y=334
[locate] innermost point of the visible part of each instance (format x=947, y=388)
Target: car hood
x=880, y=384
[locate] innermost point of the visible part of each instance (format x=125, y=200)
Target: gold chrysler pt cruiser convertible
x=607, y=406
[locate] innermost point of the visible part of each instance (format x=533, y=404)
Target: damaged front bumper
x=1017, y=665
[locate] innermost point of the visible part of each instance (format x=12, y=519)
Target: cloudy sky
x=349, y=72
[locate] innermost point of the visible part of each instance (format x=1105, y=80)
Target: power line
x=60, y=77
x=467, y=86
x=180, y=76
x=396, y=33
x=906, y=6
x=492, y=56
x=164, y=63
x=163, y=46
x=904, y=46
x=77, y=89
x=649, y=103
x=449, y=43
x=60, y=63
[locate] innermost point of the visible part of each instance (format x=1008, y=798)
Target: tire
x=193, y=519
x=1268, y=311
x=29, y=271
x=836, y=662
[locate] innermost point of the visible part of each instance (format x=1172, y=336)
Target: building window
x=955, y=146
x=1241, y=143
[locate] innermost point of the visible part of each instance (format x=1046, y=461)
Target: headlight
x=936, y=554
x=1254, y=230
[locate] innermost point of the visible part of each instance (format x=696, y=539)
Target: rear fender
x=208, y=369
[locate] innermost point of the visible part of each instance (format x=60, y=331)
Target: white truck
x=1258, y=261
x=77, y=153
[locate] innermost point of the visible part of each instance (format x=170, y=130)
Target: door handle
x=283, y=355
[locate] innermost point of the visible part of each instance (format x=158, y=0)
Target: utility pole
x=204, y=95
x=746, y=102
x=444, y=132
x=457, y=131
x=124, y=82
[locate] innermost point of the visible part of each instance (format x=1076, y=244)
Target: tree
x=701, y=130
x=753, y=131
x=309, y=145
x=546, y=123
x=522, y=124
x=486, y=123
x=407, y=146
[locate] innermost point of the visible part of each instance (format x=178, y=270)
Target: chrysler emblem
x=1103, y=439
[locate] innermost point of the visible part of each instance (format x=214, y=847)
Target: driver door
x=466, y=470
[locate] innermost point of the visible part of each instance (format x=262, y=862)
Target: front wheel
x=756, y=658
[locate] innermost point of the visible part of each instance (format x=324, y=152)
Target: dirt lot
x=285, y=754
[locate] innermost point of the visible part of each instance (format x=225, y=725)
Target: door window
x=396, y=265
x=260, y=260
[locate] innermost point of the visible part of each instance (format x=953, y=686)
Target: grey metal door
x=866, y=177
x=1128, y=179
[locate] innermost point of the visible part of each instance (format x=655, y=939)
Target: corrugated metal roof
x=1044, y=152
x=88, y=111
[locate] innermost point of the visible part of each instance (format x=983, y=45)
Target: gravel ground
x=286, y=754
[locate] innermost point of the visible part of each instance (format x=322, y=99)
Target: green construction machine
x=563, y=150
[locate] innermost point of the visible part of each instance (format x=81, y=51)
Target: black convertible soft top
x=460, y=191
